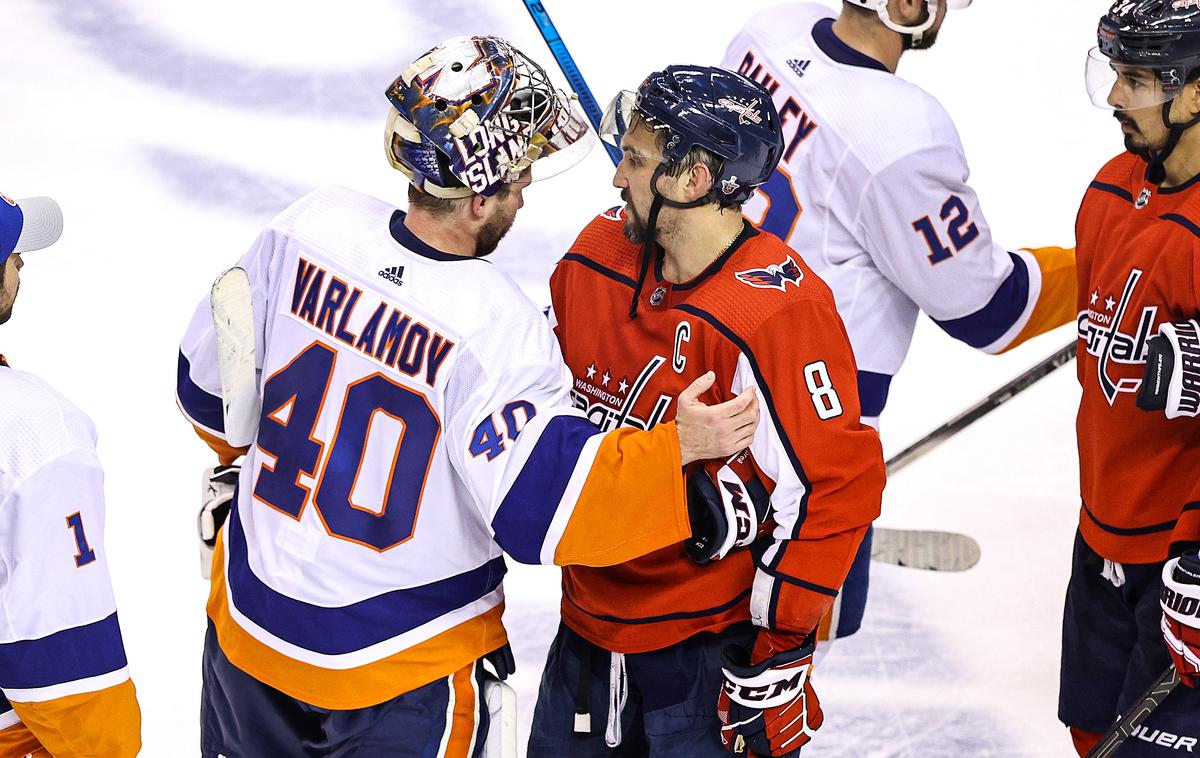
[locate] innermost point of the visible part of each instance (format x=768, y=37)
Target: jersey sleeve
x=198, y=376
x=922, y=224
x=62, y=659
x=552, y=486
x=827, y=467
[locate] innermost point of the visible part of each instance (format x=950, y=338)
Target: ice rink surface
x=170, y=132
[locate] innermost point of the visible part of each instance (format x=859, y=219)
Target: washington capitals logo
x=776, y=276
x=747, y=112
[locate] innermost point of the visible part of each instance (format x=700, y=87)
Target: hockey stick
x=233, y=323
x=567, y=64
x=1128, y=722
x=980, y=409
x=948, y=551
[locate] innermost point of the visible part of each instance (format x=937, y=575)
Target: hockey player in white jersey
x=872, y=191
x=416, y=422
x=65, y=689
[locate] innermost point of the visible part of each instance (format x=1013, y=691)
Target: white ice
x=170, y=132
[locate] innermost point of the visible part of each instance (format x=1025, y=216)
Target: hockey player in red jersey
x=1138, y=236
x=416, y=426
x=649, y=297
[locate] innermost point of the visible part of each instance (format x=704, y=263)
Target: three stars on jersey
x=397, y=340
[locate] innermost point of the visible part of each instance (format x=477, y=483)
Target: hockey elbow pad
x=1172, y=380
x=727, y=505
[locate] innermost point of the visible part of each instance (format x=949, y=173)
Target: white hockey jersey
x=62, y=661
x=415, y=421
x=872, y=191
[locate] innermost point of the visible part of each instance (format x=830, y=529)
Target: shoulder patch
x=775, y=276
x=614, y=214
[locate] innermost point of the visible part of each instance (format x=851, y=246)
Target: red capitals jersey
x=757, y=316
x=1139, y=266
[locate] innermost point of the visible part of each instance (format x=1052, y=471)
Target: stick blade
x=233, y=321
x=927, y=550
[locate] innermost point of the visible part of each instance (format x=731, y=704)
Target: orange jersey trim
x=1060, y=291
x=18, y=742
x=650, y=462
x=361, y=686
x=225, y=452
x=107, y=723
x=464, y=724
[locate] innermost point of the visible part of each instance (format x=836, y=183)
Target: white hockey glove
x=216, y=497
x=727, y=505
x=1180, y=601
x=1172, y=380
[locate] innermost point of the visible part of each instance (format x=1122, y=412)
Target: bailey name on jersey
x=325, y=302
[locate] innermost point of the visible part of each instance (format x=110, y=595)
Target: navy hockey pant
x=1113, y=649
x=670, y=708
x=240, y=717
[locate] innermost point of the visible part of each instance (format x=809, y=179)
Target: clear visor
x=958, y=5
x=622, y=113
x=1121, y=87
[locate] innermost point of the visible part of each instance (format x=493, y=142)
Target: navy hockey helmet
x=475, y=113
x=1161, y=35
x=721, y=111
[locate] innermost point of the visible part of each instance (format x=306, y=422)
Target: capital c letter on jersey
x=683, y=333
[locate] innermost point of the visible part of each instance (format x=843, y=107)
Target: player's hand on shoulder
x=728, y=505
x=216, y=498
x=767, y=705
x=1180, y=602
x=1172, y=380
x=714, y=431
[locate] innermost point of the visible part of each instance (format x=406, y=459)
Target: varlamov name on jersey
x=388, y=335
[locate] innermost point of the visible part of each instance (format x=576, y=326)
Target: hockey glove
x=1180, y=601
x=727, y=504
x=769, y=708
x=1172, y=381
x=216, y=497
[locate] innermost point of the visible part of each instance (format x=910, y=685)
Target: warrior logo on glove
x=1180, y=601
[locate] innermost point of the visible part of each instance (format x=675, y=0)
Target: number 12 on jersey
x=955, y=213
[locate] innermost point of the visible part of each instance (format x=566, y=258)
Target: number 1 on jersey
x=84, y=554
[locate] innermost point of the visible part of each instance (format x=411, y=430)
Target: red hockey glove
x=727, y=504
x=1172, y=379
x=1181, y=615
x=769, y=708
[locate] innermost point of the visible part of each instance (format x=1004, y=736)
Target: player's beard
x=1141, y=149
x=634, y=226
x=492, y=232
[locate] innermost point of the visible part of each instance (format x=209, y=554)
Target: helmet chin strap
x=916, y=34
x=1156, y=171
x=651, y=226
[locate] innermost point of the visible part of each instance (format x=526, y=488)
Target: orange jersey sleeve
x=107, y=722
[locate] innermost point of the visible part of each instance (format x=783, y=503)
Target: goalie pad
x=727, y=505
x=1172, y=380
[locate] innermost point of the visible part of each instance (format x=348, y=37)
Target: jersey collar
x=747, y=232
x=413, y=244
x=839, y=51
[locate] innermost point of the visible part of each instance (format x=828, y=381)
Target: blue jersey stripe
x=873, y=392
x=346, y=629
x=599, y=269
x=989, y=323
x=197, y=403
x=1112, y=189
x=525, y=514
x=67, y=656
x=1165, y=526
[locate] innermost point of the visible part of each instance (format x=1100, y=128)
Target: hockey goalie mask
x=475, y=113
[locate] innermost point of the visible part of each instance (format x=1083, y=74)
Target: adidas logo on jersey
x=393, y=274
x=799, y=67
